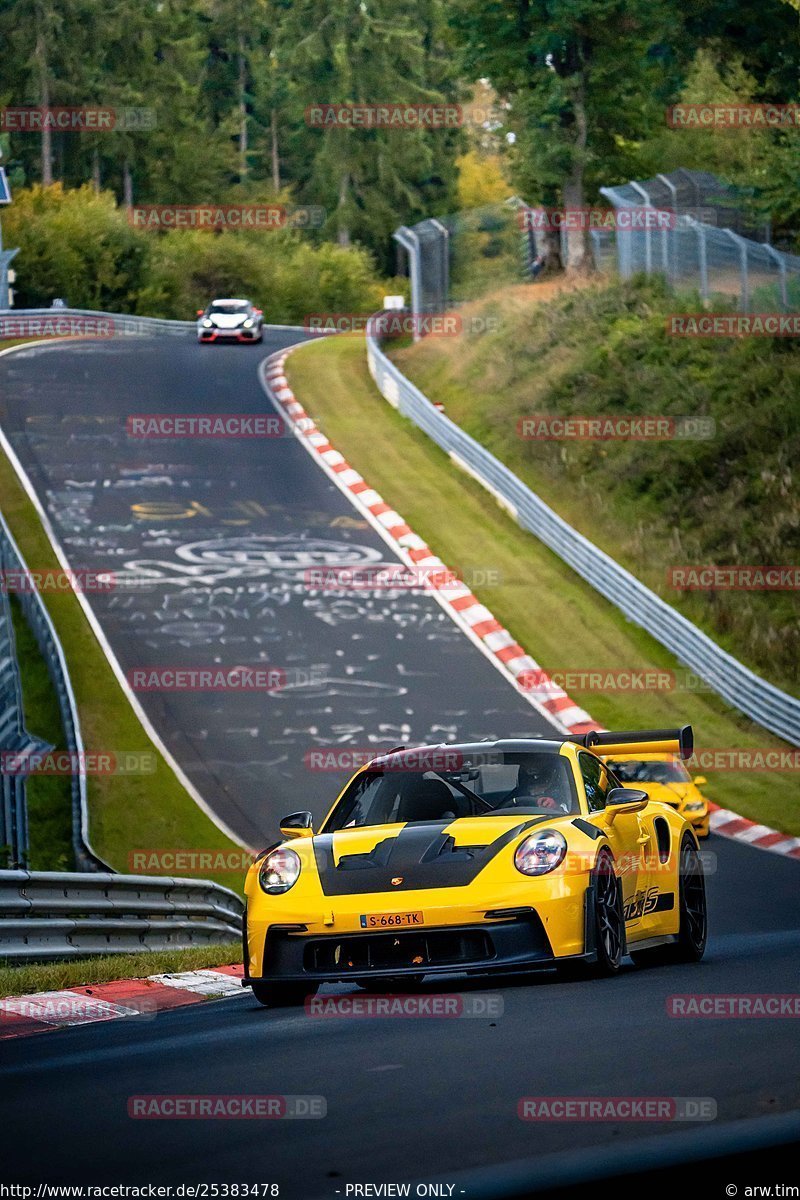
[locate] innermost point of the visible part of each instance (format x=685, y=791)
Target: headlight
x=248, y=324
x=208, y=324
x=541, y=852
x=279, y=871
x=695, y=806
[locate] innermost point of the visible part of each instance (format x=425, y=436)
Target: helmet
x=537, y=771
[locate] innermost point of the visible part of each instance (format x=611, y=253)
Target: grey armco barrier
x=46, y=915
x=58, y=323
x=63, y=322
x=40, y=624
x=764, y=703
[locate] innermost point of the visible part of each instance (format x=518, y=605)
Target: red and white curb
x=21, y=1016
x=465, y=608
x=741, y=829
x=455, y=597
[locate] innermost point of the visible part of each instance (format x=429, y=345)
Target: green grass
x=557, y=617
x=49, y=799
x=603, y=350
x=52, y=977
x=126, y=813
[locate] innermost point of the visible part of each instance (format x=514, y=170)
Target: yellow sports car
x=483, y=858
x=666, y=779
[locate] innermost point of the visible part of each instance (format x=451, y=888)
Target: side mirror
x=299, y=824
x=624, y=800
x=699, y=780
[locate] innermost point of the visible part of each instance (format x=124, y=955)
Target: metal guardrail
x=46, y=916
x=14, y=739
x=21, y=323
x=106, y=324
x=43, y=630
x=764, y=703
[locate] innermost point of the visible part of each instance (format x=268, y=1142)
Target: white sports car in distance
x=237, y=319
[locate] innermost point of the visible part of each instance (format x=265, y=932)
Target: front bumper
x=491, y=947
x=235, y=335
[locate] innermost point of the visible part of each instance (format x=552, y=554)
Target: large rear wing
x=639, y=741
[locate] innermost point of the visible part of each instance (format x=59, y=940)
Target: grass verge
x=126, y=812
x=557, y=617
x=52, y=977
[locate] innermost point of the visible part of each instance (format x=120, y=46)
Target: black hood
x=422, y=855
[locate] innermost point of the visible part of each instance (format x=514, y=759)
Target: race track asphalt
x=209, y=541
x=417, y=1098
x=407, y=1098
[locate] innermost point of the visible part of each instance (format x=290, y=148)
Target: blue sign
x=5, y=190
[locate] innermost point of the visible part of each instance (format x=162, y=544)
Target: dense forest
x=217, y=94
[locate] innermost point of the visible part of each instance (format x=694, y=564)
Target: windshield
x=535, y=783
x=650, y=772
x=229, y=307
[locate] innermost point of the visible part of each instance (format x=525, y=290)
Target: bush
x=79, y=245
x=75, y=244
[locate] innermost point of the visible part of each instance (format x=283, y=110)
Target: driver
x=540, y=782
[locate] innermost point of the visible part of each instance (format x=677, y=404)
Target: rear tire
x=282, y=995
x=693, y=928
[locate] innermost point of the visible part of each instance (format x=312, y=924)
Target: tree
x=367, y=52
x=762, y=163
x=582, y=78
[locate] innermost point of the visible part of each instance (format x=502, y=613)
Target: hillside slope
x=653, y=505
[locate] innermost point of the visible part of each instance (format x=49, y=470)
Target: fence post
x=742, y=244
x=702, y=254
x=648, y=249
x=445, y=257
x=409, y=240
x=672, y=260
x=781, y=261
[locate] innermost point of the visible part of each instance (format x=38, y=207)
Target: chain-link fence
x=701, y=236
x=457, y=258
x=706, y=242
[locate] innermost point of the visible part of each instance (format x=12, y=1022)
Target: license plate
x=391, y=920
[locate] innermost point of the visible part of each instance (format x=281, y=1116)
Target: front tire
x=282, y=995
x=609, y=916
x=693, y=928
x=608, y=919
